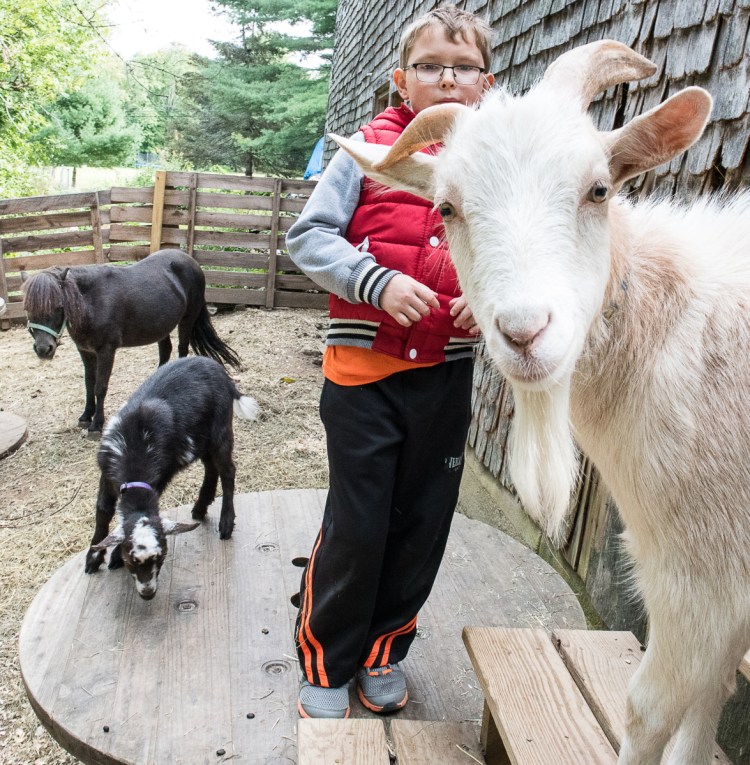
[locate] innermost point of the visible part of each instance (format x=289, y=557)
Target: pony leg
x=105, y=509
x=165, y=350
x=104, y=361
x=184, y=330
x=89, y=378
x=207, y=493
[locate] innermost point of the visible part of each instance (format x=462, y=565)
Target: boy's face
x=432, y=46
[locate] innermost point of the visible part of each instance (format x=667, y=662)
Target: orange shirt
x=350, y=365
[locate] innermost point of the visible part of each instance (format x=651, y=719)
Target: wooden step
x=542, y=706
x=365, y=742
x=333, y=742
x=536, y=706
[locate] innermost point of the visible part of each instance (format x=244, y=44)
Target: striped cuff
x=370, y=282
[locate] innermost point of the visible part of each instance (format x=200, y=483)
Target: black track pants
x=396, y=454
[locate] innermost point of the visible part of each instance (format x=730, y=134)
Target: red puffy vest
x=402, y=232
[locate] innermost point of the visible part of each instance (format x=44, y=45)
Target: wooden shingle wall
x=692, y=43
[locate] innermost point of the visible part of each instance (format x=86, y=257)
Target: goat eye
x=598, y=193
x=447, y=211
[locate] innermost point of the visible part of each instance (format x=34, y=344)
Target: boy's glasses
x=463, y=74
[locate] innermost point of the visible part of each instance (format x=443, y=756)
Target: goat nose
x=523, y=338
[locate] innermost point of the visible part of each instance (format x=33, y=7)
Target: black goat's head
x=143, y=544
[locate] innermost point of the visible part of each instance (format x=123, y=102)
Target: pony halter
x=57, y=335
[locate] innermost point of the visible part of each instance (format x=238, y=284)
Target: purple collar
x=135, y=485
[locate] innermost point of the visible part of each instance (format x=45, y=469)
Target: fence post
x=4, y=323
x=96, y=229
x=157, y=210
x=273, y=245
x=192, y=194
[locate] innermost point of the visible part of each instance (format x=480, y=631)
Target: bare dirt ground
x=48, y=487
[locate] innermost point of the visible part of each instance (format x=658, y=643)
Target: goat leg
x=207, y=493
x=105, y=509
x=226, y=520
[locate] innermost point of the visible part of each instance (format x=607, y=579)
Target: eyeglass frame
x=480, y=71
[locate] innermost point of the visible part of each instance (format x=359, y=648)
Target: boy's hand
x=464, y=318
x=407, y=300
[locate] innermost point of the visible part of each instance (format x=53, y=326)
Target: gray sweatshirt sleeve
x=316, y=241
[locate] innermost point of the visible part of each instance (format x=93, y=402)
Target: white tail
x=246, y=408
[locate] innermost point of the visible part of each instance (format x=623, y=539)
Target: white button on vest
x=413, y=353
x=434, y=241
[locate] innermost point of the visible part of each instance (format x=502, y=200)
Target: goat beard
x=543, y=456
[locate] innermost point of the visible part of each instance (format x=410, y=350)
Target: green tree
x=46, y=48
x=253, y=108
x=88, y=127
x=151, y=84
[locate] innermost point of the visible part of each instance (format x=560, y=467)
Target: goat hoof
x=93, y=435
x=93, y=561
x=226, y=534
x=84, y=423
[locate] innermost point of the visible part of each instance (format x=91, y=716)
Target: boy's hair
x=456, y=23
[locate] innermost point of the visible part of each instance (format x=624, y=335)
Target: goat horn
x=590, y=69
x=429, y=127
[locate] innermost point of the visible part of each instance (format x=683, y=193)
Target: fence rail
x=235, y=228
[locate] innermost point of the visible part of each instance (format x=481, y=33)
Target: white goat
x=628, y=324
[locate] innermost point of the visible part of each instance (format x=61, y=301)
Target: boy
x=397, y=390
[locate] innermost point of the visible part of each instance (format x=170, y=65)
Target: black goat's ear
x=24, y=276
x=172, y=527
x=64, y=274
x=115, y=538
x=295, y=600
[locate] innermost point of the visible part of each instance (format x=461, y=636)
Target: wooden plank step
x=364, y=742
x=602, y=663
x=333, y=742
x=745, y=665
x=424, y=742
x=538, y=710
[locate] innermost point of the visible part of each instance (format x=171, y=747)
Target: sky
x=145, y=26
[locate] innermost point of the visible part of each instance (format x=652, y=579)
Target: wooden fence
x=234, y=226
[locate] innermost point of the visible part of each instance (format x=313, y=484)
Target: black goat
x=180, y=414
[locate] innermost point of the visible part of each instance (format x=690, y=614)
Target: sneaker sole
x=306, y=716
x=392, y=707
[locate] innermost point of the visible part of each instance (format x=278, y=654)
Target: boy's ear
x=414, y=173
x=399, y=80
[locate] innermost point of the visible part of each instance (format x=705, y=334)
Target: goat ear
x=115, y=538
x=172, y=527
x=413, y=173
x=659, y=135
x=24, y=276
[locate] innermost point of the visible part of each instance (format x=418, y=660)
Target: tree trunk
x=249, y=165
x=74, y=176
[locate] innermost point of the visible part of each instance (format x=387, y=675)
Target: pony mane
x=47, y=290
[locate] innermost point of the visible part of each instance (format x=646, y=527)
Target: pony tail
x=205, y=342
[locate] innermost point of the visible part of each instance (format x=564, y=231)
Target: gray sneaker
x=317, y=701
x=382, y=689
